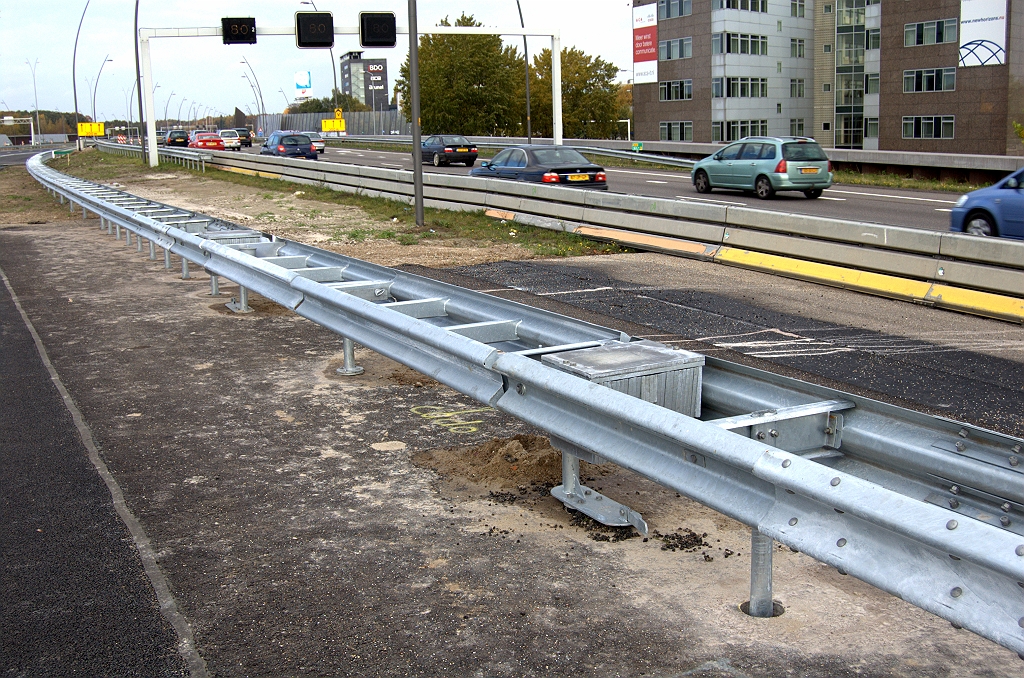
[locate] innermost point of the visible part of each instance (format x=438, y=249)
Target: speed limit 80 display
x=238, y=30
x=314, y=29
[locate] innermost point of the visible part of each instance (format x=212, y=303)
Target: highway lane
x=12, y=158
x=915, y=209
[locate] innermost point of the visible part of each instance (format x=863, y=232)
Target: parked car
x=289, y=145
x=207, y=141
x=996, y=210
x=318, y=141
x=445, y=149
x=245, y=136
x=766, y=165
x=231, y=140
x=554, y=165
x=176, y=137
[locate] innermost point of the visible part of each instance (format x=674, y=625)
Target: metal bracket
x=587, y=500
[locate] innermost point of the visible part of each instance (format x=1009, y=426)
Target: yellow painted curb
x=655, y=242
x=977, y=302
x=251, y=173
x=877, y=283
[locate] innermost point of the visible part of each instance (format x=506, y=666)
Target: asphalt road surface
x=916, y=209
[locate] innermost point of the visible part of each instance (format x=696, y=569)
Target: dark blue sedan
x=552, y=165
x=997, y=210
x=289, y=145
x=444, y=149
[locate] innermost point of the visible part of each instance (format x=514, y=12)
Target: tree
x=469, y=84
x=346, y=102
x=590, y=96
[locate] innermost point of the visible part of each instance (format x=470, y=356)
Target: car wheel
x=437, y=160
x=813, y=193
x=980, y=224
x=701, y=182
x=763, y=188
x=470, y=163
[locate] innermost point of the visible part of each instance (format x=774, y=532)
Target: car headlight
x=961, y=200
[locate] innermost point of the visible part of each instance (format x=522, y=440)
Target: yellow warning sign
x=332, y=125
x=338, y=113
x=90, y=129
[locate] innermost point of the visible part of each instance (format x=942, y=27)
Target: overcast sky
x=202, y=70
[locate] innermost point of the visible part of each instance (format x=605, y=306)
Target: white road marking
x=711, y=200
x=593, y=289
x=646, y=174
x=942, y=209
x=895, y=197
x=653, y=181
x=825, y=197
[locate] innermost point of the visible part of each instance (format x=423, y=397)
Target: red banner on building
x=645, y=43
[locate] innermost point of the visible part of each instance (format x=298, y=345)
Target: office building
x=365, y=79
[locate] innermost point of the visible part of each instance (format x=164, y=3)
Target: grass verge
x=439, y=225
x=887, y=180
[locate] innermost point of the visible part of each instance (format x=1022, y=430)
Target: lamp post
x=97, y=85
x=74, y=79
x=36, y=95
x=259, y=89
x=526, y=59
x=165, y=108
x=177, y=118
x=286, y=102
x=334, y=69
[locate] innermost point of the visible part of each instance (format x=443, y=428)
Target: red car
x=208, y=141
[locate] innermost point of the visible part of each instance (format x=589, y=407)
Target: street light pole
x=258, y=88
x=414, y=96
x=286, y=102
x=165, y=107
x=334, y=69
x=38, y=130
x=178, y=117
x=97, y=85
x=526, y=59
x=138, y=79
x=74, y=78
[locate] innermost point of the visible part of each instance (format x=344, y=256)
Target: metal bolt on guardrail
x=860, y=485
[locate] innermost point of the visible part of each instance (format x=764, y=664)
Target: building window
x=668, y=9
x=826, y=9
x=929, y=32
x=849, y=89
x=747, y=5
x=717, y=88
x=850, y=49
x=716, y=131
x=796, y=87
x=675, y=49
x=716, y=43
x=796, y=47
x=871, y=83
x=742, y=43
x=850, y=12
x=675, y=90
x=778, y=108
x=677, y=131
x=796, y=127
x=827, y=87
x=928, y=127
x=737, y=129
x=874, y=38
x=826, y=127
x=870, y=128
x=796, y=8
x=746, y=87
x=827, y=49
x=929, y=80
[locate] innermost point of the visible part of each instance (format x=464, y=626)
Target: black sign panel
x=314, y=29
x=377, y=29
x=238, y=31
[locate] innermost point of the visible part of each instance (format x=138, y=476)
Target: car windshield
x=557, y=156
x=295, y=140
x=243, y=132
x=312, y=135
x=456, y=141
x=229, y=134
x=803, y=151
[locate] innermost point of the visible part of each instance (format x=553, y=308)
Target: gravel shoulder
x=313, y=524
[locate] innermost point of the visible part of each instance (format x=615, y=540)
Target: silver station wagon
x=766, y=165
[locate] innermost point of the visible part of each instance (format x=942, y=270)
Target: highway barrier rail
x=926, y=508
x=972, y=274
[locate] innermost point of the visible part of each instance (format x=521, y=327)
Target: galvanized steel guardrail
x=182, y=156
x=926, y=508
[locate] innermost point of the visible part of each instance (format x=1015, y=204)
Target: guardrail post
x=84, y=215
x=138, y=243
x=117, y=235
x=350, y=368
x=152, y=251
x=214, y=286
x=167, y=258
x=240, y=305
x=127, y=237
x=184, y=269
x=761, y=604
x=570, y=474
